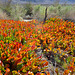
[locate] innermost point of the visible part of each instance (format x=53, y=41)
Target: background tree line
x=40, y=12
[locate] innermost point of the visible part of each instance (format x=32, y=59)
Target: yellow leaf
x=55, y=51
x=42, y=74
x=24, y=70
x=63, y=53
x=14, y=72
x=30, y=73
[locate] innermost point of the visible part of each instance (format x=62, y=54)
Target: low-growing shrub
x=20, y=40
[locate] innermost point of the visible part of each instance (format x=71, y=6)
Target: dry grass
x=3, y=15
x=70, y=15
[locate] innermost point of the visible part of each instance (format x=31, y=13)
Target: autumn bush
x=20, y=40
x=58, y=40
x=17, y=45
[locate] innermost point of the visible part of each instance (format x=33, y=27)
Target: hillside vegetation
x=20, y=40
x=28, y=48
x=21, y=11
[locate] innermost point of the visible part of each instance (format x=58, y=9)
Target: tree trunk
x=45, y=15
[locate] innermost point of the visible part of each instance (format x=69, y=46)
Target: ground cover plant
x=20, y=40
x=58, y=39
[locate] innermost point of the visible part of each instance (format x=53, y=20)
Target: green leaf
x=24, y=58
x=68, y=59
x=19, y=66
x=1, y=37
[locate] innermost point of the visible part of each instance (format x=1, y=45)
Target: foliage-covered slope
x=19, y=41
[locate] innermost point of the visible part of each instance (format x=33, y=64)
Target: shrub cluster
x=20, y=11
x=19, y=41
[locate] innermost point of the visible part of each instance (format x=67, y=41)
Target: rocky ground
x=51, y=68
